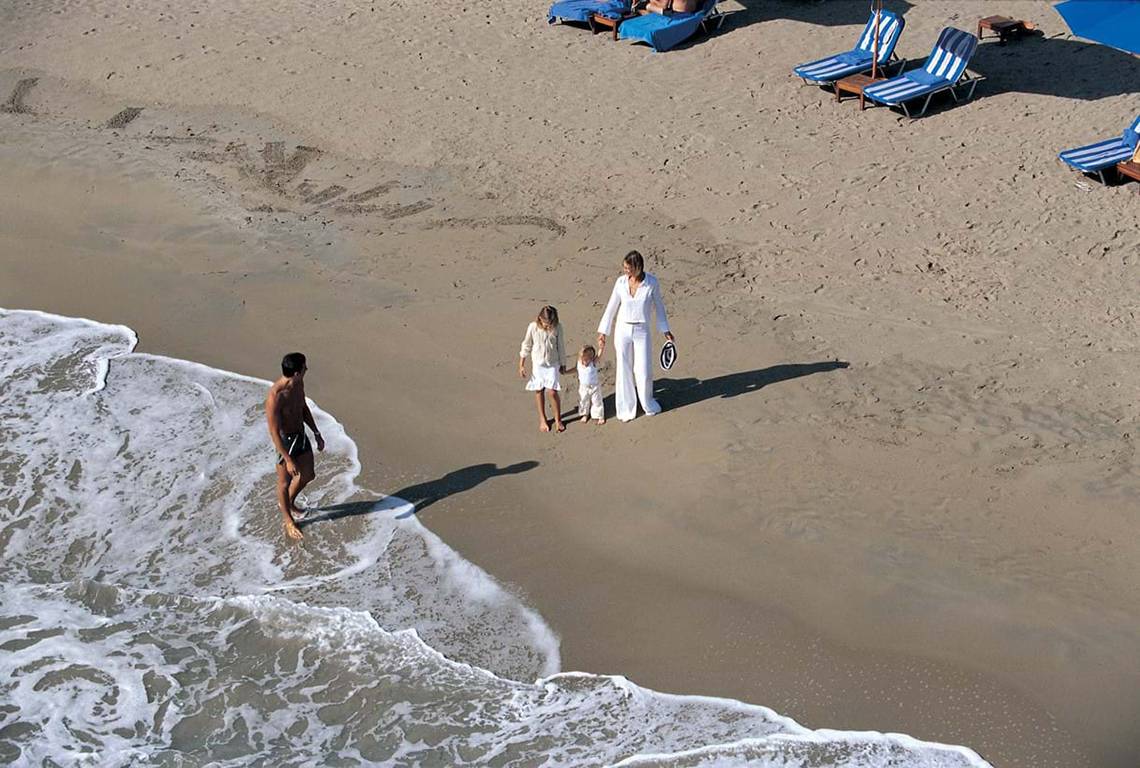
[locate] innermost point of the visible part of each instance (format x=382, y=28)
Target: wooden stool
x=854, y=84
x=1129, y=168
x=1004, y=28
x=597, y=20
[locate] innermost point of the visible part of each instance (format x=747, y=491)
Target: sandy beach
x=894, y=487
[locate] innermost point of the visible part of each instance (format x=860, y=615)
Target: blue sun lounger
x=945, y=70
x=839, y=66
x=584, y=10
x=1099, y=157
x=665, y=31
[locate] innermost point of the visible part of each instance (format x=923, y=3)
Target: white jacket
x=636, y=308
x=545, y=348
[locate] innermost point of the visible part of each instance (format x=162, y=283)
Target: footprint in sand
x=15, y=103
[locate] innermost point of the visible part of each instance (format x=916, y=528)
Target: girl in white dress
x=543, y=343
x=635, y=295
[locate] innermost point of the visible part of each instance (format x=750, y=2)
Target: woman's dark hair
x=292, y=364
x=636, y=263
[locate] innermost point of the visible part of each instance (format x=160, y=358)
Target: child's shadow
x=420, y=496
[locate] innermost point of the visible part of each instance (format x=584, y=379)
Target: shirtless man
x=287, y=414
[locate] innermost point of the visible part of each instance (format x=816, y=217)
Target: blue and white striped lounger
x=944, y=70
x=1099, y=157
x=858, y=59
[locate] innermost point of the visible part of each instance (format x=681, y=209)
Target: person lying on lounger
x=673, y=6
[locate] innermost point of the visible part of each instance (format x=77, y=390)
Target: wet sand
x=936, y=539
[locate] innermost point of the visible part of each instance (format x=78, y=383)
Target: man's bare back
x=287, y=413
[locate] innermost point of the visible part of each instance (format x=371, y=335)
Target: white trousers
x=590, y=401
x=634, y=370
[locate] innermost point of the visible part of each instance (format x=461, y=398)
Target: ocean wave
x=153, y=613
x=106, y=675
x=149, y=472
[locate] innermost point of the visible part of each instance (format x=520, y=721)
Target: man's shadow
x=421, y=495
x=677, y=393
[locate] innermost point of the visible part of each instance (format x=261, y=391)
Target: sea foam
x=153, y=613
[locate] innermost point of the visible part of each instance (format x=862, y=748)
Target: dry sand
x=939, y=539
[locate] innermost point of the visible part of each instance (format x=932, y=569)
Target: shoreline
x=746, y=629
x=934, y=541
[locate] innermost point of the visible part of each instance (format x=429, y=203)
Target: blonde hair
x=547, y=318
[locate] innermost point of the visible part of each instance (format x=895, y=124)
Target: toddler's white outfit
x=589, y=392
x=546, y=355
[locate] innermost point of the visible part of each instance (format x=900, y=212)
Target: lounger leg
x=925, y=106
x=973, y=85
x=1101, y=174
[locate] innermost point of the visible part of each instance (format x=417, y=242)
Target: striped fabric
x=945, y=66
x=890, y=25
x=859, y=58
x=1104, y=154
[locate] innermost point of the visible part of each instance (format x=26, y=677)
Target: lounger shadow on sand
x=829, y=14
x=1055, y=66
x=419, y=496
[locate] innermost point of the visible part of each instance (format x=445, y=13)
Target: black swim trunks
x=296, y=444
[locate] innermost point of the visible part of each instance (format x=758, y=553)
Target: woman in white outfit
x=636, y=294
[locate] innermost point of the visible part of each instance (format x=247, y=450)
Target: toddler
x=589, y=388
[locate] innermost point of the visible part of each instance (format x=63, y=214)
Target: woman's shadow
x=413, y=499
x=677, y=393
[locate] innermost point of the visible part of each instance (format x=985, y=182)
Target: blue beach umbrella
x=1115, y=23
